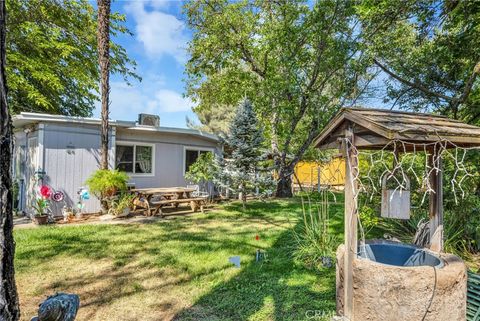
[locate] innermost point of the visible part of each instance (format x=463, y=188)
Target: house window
x=135, y=159
x=191, y=156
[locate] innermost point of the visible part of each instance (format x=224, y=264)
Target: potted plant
x=41, y=215
x=120, y=207
x=105, y=183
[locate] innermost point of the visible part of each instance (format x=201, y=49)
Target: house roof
x=24, y=119
x=375, y=128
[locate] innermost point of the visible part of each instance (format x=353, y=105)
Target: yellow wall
x=331, y=173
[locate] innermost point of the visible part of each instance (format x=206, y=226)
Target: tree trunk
x=103, y=44
x=9, y=309
x=284, y=182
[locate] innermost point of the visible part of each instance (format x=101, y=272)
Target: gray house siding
x=69, y=152
x=20, y=166
x=71, y=155
x=169, y=156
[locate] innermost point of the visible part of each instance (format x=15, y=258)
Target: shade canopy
x=377, y=128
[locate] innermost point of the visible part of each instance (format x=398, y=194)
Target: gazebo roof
x=375, y=128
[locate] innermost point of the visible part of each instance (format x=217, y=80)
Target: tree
x=214, y=120
x=428, y=52
x=52, y=62
x=245, y=140
x=103, y=40
x=299, y=62
x=9, y=309
x=204, y=171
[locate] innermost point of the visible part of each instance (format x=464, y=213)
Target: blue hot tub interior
x=398, y=254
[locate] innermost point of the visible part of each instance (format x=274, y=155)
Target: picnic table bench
x=166, y=196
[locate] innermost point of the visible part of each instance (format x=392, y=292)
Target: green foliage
x=203, y=170
x=245, y=140
x=428, y=50
x=315, y=242
x=297, y=61
x=123, y=202
x=215, y=120
x=369, y=218
x=41, y=205
x=52, y=62
x=103, y=182
x=461, y=219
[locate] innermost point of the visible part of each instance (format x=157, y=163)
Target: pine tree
x=245, y=140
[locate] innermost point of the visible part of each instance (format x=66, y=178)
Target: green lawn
x=177, y=268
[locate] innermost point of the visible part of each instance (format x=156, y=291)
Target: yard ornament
x=395, y=202
x=45, y=191
x=84, y=194
x=235, y=260
x=58, y=196
x=58, y=307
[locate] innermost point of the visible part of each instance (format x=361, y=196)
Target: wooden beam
x=351, y=163
x=436, y=203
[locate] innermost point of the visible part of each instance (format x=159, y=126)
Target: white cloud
x=160, y=33
x=145, y=97
x=169, y=101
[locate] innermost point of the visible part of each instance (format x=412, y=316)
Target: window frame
x=198, y=149
x=135, y=144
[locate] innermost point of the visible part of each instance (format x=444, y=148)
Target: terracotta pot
x=41, y=219
x=111, y=192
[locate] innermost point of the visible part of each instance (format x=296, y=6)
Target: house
x=63, y=151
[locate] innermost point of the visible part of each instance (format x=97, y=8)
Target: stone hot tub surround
x=383, y=292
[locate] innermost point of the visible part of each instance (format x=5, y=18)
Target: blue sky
x=158, y=46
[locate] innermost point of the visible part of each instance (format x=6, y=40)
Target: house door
x=31, y=169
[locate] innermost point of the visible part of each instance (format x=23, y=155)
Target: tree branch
x=414, y=84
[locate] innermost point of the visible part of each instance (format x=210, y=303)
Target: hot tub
x=395, y=281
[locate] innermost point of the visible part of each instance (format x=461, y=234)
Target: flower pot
x=124, y=213
x=41, y=219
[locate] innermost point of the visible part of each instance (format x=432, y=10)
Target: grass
x=177, y=268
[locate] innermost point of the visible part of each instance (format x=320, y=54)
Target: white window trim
x=134, y=144
x=197, y=148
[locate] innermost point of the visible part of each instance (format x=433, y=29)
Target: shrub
x=123, y=202
x=105, y=183
x=315, y=244
x=203, y=170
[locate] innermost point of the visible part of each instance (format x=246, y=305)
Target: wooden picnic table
x=178, y=192
x=168, y=196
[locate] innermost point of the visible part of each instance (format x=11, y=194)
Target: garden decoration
x=83, y=195
x=395, y=202
x=58, y=307
x=235, y=260
x=45, y=191
x=412, y=283
x=58, y=196
x=259, y=254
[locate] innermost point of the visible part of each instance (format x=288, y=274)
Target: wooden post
x=318, y=179
x=351, y=163
x=436, y=203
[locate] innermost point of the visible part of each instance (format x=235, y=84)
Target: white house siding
x=71, y=155
x=169, y=155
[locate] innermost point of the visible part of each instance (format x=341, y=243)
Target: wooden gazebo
x=373, y=129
